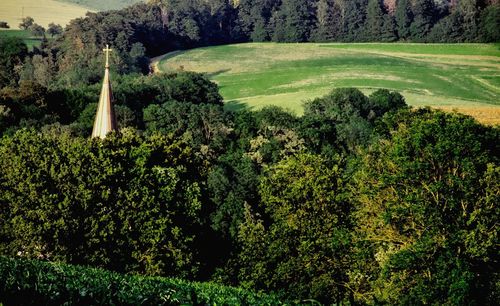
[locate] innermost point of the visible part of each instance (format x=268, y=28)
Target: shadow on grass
x=235, y=105
x=216, y=73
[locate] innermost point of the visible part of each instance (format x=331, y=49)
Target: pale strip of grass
x=257, y=74
x=43, y=11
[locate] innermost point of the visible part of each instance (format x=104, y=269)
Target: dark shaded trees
x=404, y=18
x=329, y=21
x=298, y=244
x=294, y=21
x=26, y=23
x=490, y=23
x=54, y=29
x=423, y=19
x=12, y=53
x=374, y=20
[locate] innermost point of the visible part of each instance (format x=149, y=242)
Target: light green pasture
x=258, y=74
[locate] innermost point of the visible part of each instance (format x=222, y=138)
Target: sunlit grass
x=253, y=75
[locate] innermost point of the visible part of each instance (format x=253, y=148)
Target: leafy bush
x=31, y=282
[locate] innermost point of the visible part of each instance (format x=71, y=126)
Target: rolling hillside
x=43, y=11
x=465, y=77
x=100, y=5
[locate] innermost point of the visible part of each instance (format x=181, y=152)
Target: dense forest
x=362, y=200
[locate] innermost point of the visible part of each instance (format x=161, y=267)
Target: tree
x=329, y=21
x=426, y=212
x=37, y=30
x=298, y=19
x=374, y=20
x=54, y=29
x=4, y=25
x=423, y=20
x=12, y=53
x=404, y=18
x=383, y=101
x=26, y=23
x=469, y=13
x=490, y=23
x=354, y=13
x=300, y=241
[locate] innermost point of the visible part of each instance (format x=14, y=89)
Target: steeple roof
x=105, y=120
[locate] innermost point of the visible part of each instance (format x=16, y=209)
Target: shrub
x=31, y=282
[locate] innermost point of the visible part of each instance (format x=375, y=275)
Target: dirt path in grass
x=155, y=62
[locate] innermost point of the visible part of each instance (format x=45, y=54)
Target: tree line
x=145, y=30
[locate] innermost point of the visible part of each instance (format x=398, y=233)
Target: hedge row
x=31, y=282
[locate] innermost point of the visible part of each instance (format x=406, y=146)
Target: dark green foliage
x=133, y=93
x=423, y=18
x=448, y=29
x=129, y=203
x=490, y=23
x=255, y=18
x=329, y=21
x=12, y=53
x=24, y=282
x=404, y=18
x=374, y=20
x=383, y=101
x=298, y=243
x=354, y=20
x=360, y=200
x=294, y=21
x=352, y=113
x=206, y=126
x=379, y=24
x=187, y=87
x=428, y=205
x=37, y=30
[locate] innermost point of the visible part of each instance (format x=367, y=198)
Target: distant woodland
x=362, y=200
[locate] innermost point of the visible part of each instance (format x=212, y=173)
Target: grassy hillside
x=101, y=5
x=43, y=11
x=450, y=76
x=29, y=40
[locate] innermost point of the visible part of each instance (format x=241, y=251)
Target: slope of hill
x=43, y=11
x=449, y=76
x=100, y=5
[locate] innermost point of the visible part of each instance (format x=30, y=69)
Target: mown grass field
x=465, y=77
x=43, y=11
x=28, y=39
x=103, y=5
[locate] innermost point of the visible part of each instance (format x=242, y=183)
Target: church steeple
x=105, y=120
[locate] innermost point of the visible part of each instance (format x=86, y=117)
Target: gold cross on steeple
x=107, y=50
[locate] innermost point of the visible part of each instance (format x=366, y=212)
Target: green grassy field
x=465, y=77
x=43, y=11
x=28, y=39
x=103, y=5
